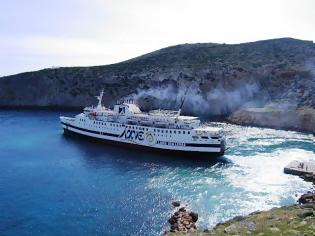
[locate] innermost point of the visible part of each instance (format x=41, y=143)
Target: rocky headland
x=300, y=118
x=268, y=83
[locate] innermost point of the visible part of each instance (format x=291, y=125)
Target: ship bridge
x=129, y=113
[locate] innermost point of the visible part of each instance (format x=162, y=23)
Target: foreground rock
x=307, y=198
x=290, y=220
x=182, y=221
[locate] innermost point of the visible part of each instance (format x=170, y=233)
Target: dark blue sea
x=51, y=184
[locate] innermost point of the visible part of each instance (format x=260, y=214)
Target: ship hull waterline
x=72, y=132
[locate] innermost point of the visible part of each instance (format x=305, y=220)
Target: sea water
x=51, y=184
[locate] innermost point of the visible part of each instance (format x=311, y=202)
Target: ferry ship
x=157, y=130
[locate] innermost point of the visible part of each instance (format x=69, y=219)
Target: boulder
x=172, y=220
x=182, y=209
x=183, y=221
x=176, y=204
x=194, y=216
x=307, y=198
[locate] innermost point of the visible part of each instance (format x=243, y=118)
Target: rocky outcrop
x=182, y=221
x=302, y=119
x=221, y=79
x=288, y=220
x=309, y=178
x=307, y=198
x=291, y=220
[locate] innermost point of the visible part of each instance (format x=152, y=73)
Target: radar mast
x=99, y=98
x=182, y=102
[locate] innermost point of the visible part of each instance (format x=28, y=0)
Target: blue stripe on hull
x=181, y=153
x=117, y=135
x=90, y=131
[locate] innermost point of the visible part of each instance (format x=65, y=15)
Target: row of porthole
x=140, y=128
x=93, y=126
x=170, y=131
x=137, y=128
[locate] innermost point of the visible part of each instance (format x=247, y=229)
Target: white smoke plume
x=218, y=101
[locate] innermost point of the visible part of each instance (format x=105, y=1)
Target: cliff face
x=221, y=79
x=302, y=119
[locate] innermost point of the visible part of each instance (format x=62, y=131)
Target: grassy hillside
x=221, y=79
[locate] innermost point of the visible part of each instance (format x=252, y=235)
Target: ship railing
x=68, y=118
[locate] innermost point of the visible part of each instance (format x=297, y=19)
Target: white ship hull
x=145, y=137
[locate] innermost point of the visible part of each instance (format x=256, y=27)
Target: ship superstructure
x=161, y=130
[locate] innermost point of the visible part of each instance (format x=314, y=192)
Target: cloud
x=80, y=32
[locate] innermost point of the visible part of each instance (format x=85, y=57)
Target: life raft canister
x=149, y=137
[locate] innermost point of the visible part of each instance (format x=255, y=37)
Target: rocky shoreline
x=269, y=83
x=297, y=220
x=309, y=197
x=302, y=119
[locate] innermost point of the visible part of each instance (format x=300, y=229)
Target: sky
x=37, y=34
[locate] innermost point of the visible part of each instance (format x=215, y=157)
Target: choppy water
x=54, y=185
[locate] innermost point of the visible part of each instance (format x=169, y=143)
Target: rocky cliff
x=221, y=79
